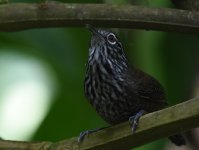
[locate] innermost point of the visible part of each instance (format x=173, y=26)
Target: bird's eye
x=111, y=38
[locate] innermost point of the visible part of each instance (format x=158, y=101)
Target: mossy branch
x=153, y=126
x=21, y=16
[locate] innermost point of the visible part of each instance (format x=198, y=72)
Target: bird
x=117, y=90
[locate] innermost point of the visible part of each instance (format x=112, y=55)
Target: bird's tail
x=178, y=139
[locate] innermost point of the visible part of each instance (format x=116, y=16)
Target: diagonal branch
x=21, y=16
x=153, y=126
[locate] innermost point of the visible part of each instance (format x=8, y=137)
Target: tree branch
x=153, y=126
x=21, y=16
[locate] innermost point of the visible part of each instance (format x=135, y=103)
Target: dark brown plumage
x=117, y=90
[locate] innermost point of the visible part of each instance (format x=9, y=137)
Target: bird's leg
x=134, y=120
x=87, y=132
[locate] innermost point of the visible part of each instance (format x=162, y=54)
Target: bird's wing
x=148, y=88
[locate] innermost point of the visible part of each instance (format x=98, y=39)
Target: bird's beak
x=94, y=31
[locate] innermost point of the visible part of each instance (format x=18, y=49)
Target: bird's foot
x=134, y=120
x=85, y=133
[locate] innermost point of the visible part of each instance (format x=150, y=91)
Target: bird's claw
x=85, y=133
x=82, y=135
x=134, y=120
x=134, y=123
